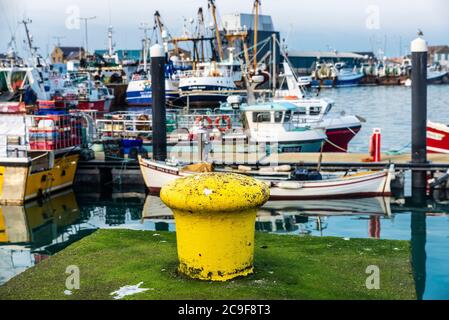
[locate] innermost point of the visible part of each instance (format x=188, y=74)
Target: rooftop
x=438, y=49
x=67, y=51
x=444, y=49
x=325, y=54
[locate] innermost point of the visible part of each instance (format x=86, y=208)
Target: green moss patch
x=286, y=267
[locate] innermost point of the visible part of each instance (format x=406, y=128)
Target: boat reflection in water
x=32, y=232
x=291, y=217
x=301, y=217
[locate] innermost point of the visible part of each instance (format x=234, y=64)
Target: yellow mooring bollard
x=215, y=216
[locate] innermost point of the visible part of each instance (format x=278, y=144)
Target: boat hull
x=338, y=139
x=145, y=98
x=156, y=175
x=349, y=80
x=392, y=80
x=98, y=105
x=338, y=82
x=441, y=77
x=299, y=146
x=201, y=99
x=139, y=93
x=437, y=138
x=20, y=183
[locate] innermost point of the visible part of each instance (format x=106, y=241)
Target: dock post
x=158, y=104
x=215, y=215
x=419, y=110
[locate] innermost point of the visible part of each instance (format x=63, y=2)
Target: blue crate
x=52, y=112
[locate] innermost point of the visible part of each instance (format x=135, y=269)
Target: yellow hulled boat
x=31, y=165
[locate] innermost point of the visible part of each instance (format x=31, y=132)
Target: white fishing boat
x=316, y=112
x=139, y=92
x=208, y=85
x=286, y=182
x=435, y=75
x=272, y=123
x=328, y=75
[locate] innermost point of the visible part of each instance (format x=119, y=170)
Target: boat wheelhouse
x=316, y=112
x=273, y=124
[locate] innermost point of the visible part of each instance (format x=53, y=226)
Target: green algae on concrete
x=287, y=267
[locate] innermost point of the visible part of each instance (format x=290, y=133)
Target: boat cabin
x=268, y=115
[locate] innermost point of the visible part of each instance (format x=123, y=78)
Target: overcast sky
x=355, y=25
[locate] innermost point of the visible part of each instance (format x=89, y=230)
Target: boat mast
x=11, y=52
x=110, y=43
x=165, y=35
x=201, y=31
x=213, y=9
x=30, y=41
x=86, y=33
x=256, y=27
x=158, y=23
x=144, y=27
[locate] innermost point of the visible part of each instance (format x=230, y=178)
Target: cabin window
x=315, y=111
x=278, y=116
x=288, y=116
x=301, y=111
x=259, y=117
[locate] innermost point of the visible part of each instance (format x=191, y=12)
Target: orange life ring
x=200, y=120
x=227, y=120
x=291, y=98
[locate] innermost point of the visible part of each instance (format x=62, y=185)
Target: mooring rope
x=399, y=151
x=335, y=146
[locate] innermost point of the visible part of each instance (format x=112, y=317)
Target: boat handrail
x=204, y=73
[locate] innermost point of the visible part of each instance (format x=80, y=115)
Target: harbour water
x=388, y=108
x=43, y=229
x=31, y=233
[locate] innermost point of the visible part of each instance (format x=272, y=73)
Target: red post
x=375, y=144
x=374, y=227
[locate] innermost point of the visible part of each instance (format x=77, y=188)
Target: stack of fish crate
x=55, y=131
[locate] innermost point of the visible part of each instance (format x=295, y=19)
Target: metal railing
x=209, y=72
x=123, y=128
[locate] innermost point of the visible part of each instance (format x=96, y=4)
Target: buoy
x=226, y=120
x=215, y=217
x=202, y=120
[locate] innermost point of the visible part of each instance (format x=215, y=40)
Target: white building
x=245, y=21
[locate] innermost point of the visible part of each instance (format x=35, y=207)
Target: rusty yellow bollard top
x=215, y=217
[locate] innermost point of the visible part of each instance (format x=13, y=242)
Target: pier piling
x=419, y=110
x=159, y=108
